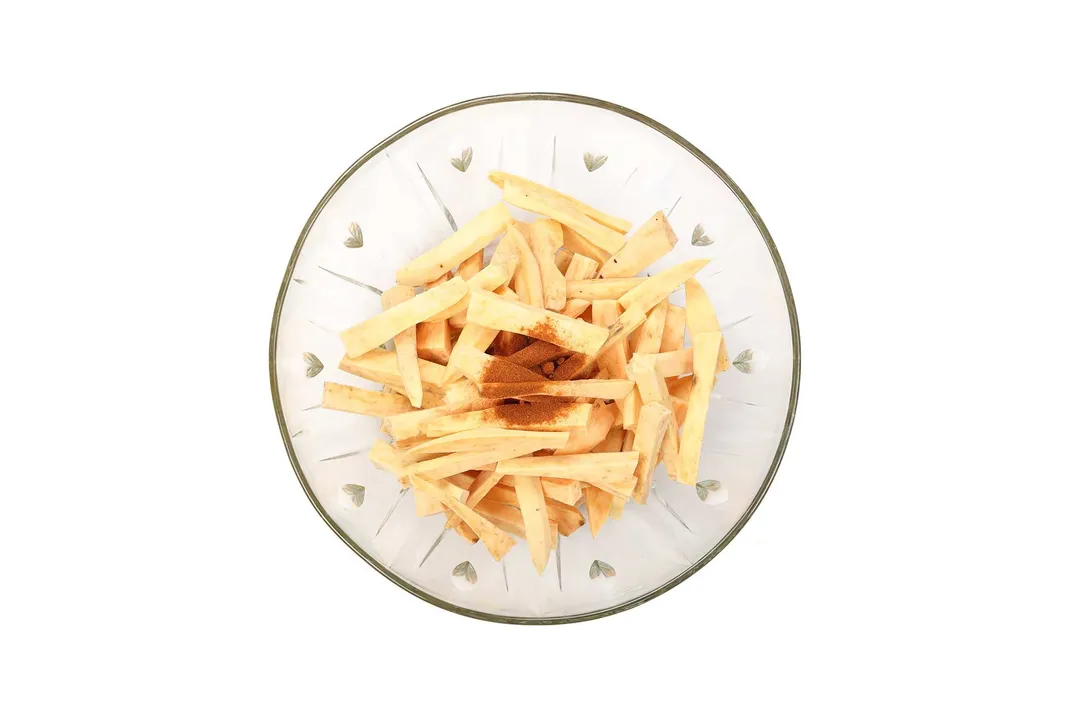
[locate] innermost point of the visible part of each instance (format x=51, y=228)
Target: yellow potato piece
x=376, y=330
x=470, y=239
x=652, y=241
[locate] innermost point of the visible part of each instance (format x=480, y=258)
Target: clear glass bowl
x=407, y=194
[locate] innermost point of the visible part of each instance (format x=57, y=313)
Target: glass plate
x=407, y=194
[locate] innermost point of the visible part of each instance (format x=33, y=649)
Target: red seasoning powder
x=532, y=415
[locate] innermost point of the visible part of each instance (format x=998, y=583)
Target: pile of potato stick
x=552, y=377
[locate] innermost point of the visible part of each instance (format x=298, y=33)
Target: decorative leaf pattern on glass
x=594, y=162
x=465, y=570
x=314, y=365
x=356, y=237
x=462, y=163
x=598, y=568
x=744, y=361
x=356, y=493
x=699, y=238
x=705, y=487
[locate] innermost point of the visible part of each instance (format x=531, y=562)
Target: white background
x=917, y=554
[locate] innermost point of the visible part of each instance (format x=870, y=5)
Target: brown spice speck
x=545, y=330
x=547, y=368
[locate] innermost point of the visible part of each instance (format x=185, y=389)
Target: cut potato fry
x=623, y=226
x=629, y=321
x=363, y=402
x=599, y=389
x=563, y=210
x=408, y=425
x=470, y=239
x=659, y=286
x=589, y=468
x=598, y=502
x=573, y=242
x=706, y=351
x=597, y=507
x=492, y=311
x=605, y=313
x=545, y=237
x=674, y=329
x=454, y=463
x=609, y=289
x=652, y=425
x=381, y=366
x=559, y=417
x=652, y=241
x=495, y=540
x=427, y=505
x=374, y=331
x=580, y=268
x=530, y=499
x=484, y=439
x=653, y=389
x=527, y=281
x=700, y=317
x=405, y=346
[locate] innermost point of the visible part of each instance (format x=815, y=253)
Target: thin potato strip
x=471, y=238
x=363, y=402
x=560, y=490
x=700, y=317
x=589, y=468
x=578, y=245
x=376, y=330
x=484, y=439
x=567, y=416
x=530, y=499
x=599, y=389
x=492, y=311
x=659, y=286
x=706, y=351
x=652, y=241
x=653, y=389
x=545, y=237
x=567, y=213
x=527, y=281
x=618, y=224
x=652, y=425
x=455, y=463
x=405, y=346
x=607, y=289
